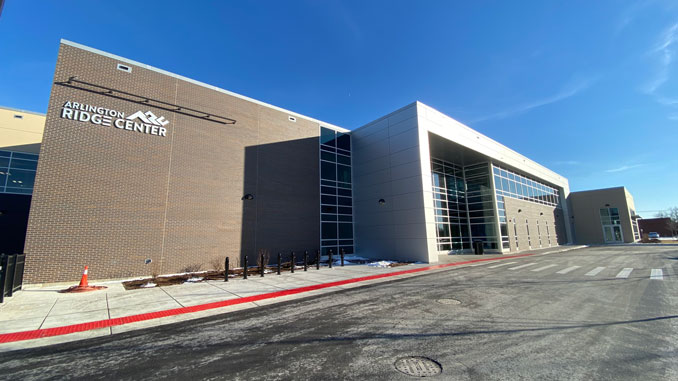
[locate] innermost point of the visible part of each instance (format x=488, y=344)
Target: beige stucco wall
x=21, y=130
x=586, y=211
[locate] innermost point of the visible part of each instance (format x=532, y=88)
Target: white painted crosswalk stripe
x=543, y=268
x=522, y=266
x=595, y=271
x=657, y=274
x=480, y=264
x=567, y=270
x=501, y=264
x=625, y=272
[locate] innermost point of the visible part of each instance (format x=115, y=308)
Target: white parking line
x=480, y=264
x=657, y=274
x=595, y=271
x=543, y=268
x=625, y=272
x=501, y=264
x=567, y=270
x=521, y=266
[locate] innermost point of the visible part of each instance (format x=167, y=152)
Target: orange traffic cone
x=83, y=280
x=83, y=286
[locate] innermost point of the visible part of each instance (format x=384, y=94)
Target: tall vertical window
x=611, y=224
x=17, y=172
x=480, y=201
x=515, y=234
x=449, y=203
x=529, y=240
x=336, y=192
x=463, y=205
x=539, y=233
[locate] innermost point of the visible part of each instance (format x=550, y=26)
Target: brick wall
x=111, y=198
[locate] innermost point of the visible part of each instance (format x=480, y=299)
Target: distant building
x=604, y=216
x=20, y=138
x=658, y=225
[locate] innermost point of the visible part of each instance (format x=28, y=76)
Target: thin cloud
x=629, y=14
x=664, y=53
x=623, y=168
x=667, y=101
x=568, y=162
x=568, y=91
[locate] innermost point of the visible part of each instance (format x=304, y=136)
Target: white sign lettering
x=147, y=122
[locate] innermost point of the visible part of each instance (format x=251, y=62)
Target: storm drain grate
x=418, y=366
x=448, y=301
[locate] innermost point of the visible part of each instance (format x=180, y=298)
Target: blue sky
x=586, y=88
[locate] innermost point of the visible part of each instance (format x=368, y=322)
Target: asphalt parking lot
x=594, y=313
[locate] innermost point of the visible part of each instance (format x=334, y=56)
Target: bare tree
x=672, y=215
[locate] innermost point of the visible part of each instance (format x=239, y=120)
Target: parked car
x=653, y=235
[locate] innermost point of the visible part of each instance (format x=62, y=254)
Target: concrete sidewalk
x=44, y=308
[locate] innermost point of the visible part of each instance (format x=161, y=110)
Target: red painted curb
x=57, y=331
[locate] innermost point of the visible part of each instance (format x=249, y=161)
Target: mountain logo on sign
x=149, y=118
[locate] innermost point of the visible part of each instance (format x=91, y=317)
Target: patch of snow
x=381, y=264
x=148, y=285
x=194, y=279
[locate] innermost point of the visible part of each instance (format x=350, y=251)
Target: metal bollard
x=226, y=270
x=305, y=260
x=244, y=273
x=341, y=253
x=279, y=262
x=262, y=267
x=292, y=263
x=330, y=257
x=317, y=259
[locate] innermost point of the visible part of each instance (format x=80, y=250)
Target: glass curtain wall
x=513, y=185
x=480, y=198
x=449, y=201
x=17, y=172
x=463, y=206
x=336, y=192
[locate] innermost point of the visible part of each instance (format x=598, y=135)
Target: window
x=17, y=172
x=336, y=192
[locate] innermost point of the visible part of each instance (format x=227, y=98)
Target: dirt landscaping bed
x=200, y=276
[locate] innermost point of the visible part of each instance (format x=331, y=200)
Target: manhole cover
x=418, y=366
x=448, y=301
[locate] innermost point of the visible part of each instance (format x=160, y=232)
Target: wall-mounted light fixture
x=520, y=210
x=541, y=213
x=248, y=196
x=382, y=201
x=607, y=205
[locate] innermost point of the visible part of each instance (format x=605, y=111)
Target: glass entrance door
x=613, y=234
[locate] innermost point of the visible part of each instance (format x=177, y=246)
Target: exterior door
x=613, y=234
